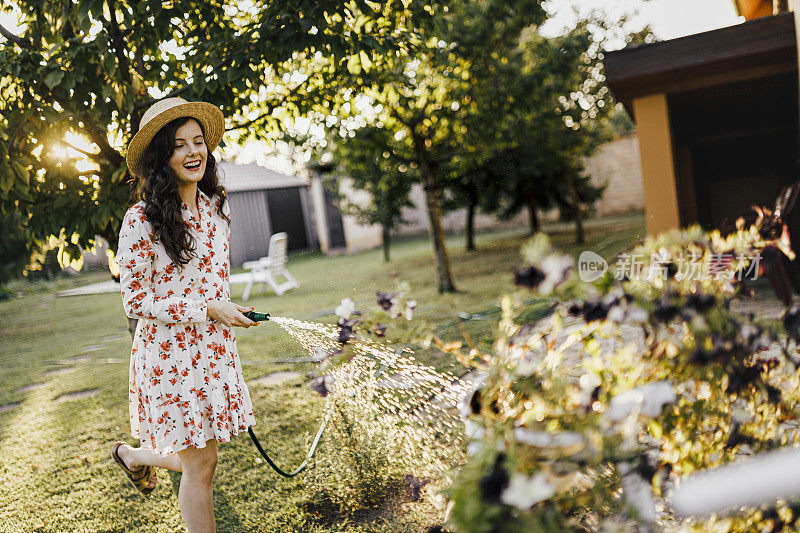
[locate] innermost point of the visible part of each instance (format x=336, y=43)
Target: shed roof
x=251, y=176
x=750, y=50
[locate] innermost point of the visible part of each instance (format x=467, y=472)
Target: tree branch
x=272, y=107
x=177, y=92
x=22, y=43
x=98, y=136
x=119, y=45
x=84, y=152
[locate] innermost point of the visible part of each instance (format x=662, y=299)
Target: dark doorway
x=736, y=145
x=333, y=215
x=286, y=215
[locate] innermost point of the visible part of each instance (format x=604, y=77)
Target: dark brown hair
x=162, y=201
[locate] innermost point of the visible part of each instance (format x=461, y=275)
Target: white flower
x=638, y=493
x=636, y=314
x=345, y=309
x=589, y=382
x=616, y=314
x=544, y=439
x=556, y=270
x=647, y=400
x=410, y=306
x=523, y=492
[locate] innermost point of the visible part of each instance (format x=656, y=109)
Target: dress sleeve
x=135, y=257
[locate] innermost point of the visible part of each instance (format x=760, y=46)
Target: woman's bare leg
x=195, y=496
x=136, y=457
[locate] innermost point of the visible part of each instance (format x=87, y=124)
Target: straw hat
x=163, y=111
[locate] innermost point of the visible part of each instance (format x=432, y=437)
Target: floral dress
x=186, y=383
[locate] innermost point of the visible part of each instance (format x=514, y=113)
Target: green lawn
x=55, y=471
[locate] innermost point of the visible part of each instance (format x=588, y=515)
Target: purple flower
x=665, y=311
x=379, y=329
x=791, y=322
x=319, y=386
x=594, y=309
x=493, y=483
x=700, y=302
x=530, y=277
x=345, y=330
x=385, y=300
x=414, y=487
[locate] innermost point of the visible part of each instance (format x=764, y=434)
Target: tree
x=425, y=102
x=364, y=160
x=551, y=113
x=86, y=70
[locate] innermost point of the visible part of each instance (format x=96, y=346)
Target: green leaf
x=354, y=65
x=109, y=64
x=21, y=172
x=83, y=10
x=6, y=179
x=54, y=78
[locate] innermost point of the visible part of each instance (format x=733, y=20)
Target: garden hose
x=252, y=315
x=304, y=464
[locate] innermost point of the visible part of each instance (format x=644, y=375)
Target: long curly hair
x=162, y=201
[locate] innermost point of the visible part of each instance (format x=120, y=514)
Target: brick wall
x=618, y=164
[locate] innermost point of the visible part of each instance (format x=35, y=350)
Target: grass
x=55, y=471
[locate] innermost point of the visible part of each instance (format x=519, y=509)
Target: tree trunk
x=429, y=172
x=579, y=236
x=437, y=236
x=471, y=227
x=387, y=241
x=533, y=216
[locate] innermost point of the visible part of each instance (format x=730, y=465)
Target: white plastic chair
x=268, y=269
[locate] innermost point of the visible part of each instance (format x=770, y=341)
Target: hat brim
x=209, y=115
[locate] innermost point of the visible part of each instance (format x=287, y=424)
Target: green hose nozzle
x=258, y=317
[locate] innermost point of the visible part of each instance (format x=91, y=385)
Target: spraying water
x=389, y=397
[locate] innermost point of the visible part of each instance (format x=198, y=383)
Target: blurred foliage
x=489, y=114
x=586, y=419
x=13, y=246
x=91, y=68
x=594, y=437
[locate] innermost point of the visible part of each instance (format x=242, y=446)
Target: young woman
x=186, y=390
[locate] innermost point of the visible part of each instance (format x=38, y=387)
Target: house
x=717, y=116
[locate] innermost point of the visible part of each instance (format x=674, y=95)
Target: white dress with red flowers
x=186, y=383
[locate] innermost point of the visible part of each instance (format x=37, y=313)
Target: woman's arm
x=135, y=259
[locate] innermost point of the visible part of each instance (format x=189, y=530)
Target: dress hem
x=167, y=450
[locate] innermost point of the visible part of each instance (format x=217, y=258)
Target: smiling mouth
x=192, y=166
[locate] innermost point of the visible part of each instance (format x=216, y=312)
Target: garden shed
x=264, y=202
x=717, y=117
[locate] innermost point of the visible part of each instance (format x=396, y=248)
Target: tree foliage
x=365, y=161
x=76, y=80
x=427, y=101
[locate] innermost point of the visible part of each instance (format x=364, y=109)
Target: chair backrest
x=277, y=251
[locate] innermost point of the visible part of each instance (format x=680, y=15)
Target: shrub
x=594, y=438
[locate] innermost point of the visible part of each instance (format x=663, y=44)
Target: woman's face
x=188, y=160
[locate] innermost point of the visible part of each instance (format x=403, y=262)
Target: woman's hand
x=229, y=313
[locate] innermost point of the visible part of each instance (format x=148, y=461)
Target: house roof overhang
x=754, y=49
